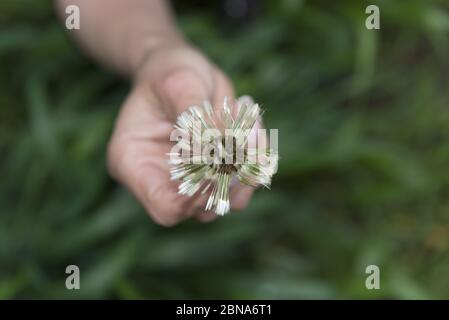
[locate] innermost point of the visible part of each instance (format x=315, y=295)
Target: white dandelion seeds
x=214, y=148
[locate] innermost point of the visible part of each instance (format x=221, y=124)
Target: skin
x=138, y=39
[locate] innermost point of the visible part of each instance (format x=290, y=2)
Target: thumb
x=183, y=88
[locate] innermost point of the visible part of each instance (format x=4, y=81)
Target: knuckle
x=239, y=205
x=168, y=217
x=164, y=221
x=168, y=208
x=240, y=200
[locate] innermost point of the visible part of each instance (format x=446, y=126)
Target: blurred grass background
x=363, y=120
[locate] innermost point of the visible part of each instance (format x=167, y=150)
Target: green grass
x=363, y=179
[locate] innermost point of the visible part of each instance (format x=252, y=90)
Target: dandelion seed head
x=209, y=161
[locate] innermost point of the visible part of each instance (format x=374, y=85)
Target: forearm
x=122, y=33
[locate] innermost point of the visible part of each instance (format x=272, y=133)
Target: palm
x=143, y=132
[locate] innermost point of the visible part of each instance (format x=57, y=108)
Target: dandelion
x=213, y=149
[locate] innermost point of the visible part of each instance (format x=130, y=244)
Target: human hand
x=169, y=81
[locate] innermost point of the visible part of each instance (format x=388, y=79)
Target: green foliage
x=363, y=177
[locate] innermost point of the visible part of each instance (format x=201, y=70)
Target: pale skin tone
x=138, y=38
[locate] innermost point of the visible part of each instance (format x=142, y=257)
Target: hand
x=167, y=83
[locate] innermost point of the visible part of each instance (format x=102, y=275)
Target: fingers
x=148, y=179
x=137, y=159
x=240, y=196
x=132, y=165
x=206, y=216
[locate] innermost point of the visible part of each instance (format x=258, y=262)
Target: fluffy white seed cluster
x=199, y=173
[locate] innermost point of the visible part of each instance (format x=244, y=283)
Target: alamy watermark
x=231, y=146
x=372, y=22
x=72, y=21
x=373, y=279
x=72, y=282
